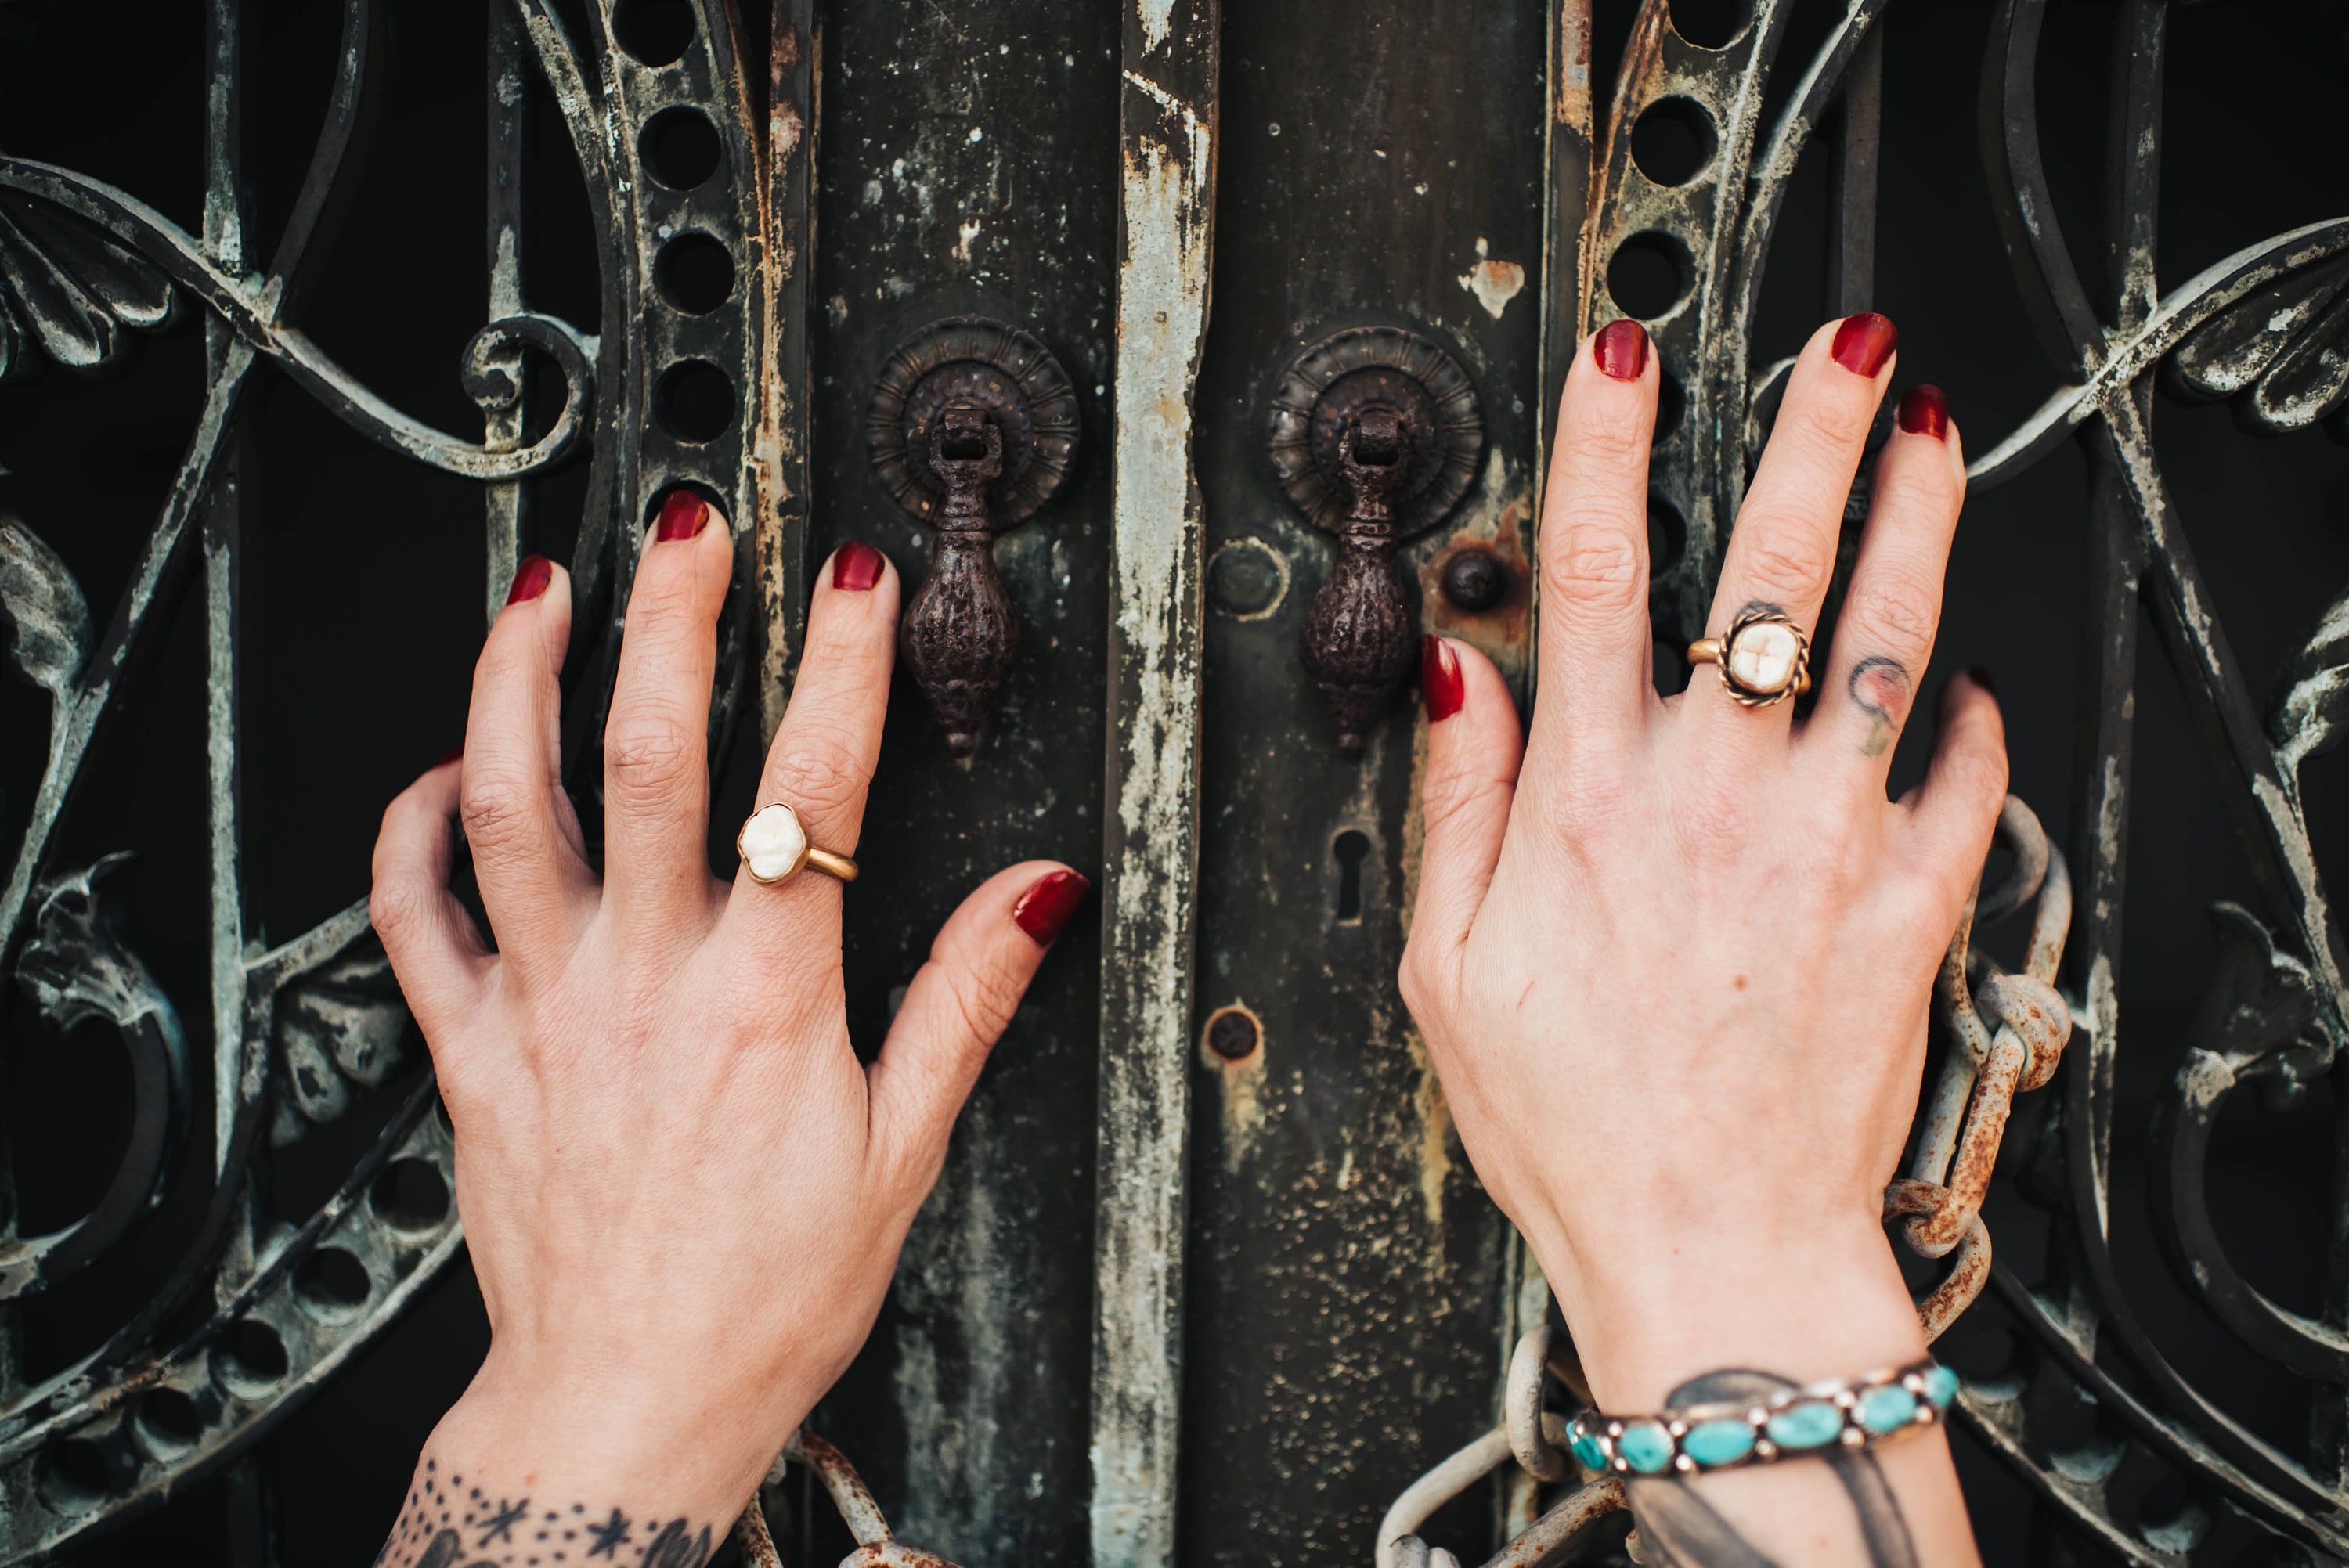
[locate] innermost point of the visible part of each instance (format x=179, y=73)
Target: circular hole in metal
x=1246, y=579
x=1674, y=140
x=1712, y=23
x=1650, y=275
x=331, y=1281
x=1233, y=1034
x=2167, y=1515
x=410, y=1195
x=654, y=32
x=1475, y=581
x=695, y=273
x=681, y=148
x=75, y=1475
x=170, y=1422
x=694, y=400
x=660, y=500
x=1667, y=536
x=1672, y=404
x=250, y=1356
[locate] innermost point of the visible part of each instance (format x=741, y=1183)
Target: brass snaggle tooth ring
x=1764, y=658
x=774, y=846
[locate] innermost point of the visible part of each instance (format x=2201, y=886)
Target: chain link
x=876, y=1547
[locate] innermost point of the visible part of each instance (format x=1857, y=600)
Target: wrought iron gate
x=1206, y=1277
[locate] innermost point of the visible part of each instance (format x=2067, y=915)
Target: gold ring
x=1764, y=658
x=774, y=847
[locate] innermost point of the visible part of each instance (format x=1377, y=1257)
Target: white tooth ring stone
x=1764, y=658
x=774, y=847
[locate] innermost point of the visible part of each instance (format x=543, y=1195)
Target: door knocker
x=973, y=427
x=1376, y=435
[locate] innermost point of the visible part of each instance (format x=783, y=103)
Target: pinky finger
x=1955, y=811
x=436, y=952
x=957, y=1007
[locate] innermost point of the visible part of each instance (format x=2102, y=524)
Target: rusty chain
x=2005, y=1034
x=876, y=1546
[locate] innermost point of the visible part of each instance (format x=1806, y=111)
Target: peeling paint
x=1157, y=576
x=1493, y=283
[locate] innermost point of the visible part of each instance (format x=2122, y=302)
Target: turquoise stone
x=1941, y=1386
x=1588, y=1452
x=1712, y=1443
x=1808, y=1424
x=1887, y=1410
x=1646, y=1447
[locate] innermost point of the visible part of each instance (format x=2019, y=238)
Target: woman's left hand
x=683, y=1192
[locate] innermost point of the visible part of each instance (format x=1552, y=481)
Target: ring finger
x=1783, y=548
x=1884, y=636
x=822, y=762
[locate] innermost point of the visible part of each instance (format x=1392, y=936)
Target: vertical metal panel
x=965, y=169
x=1166, y=164
x=1382, y=165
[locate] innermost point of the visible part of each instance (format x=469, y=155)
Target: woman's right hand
x=1673, y=956
x=683, y=1192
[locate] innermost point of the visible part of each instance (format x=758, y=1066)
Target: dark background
x=365, y=587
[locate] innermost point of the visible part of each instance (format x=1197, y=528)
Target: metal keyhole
x=1352, y=848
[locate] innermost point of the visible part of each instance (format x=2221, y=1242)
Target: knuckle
x=1450, y=797
x=1913, y=489
x=1779, y=564
x=496, y=806
x=397, y=906
x=986, y=996
x=1899, y=612
x=817, y=779
x=1418, y=978
x=1982, y=776
x=1596, y=565
x=648, y=756
x=1823, y=431
x=1610, y=433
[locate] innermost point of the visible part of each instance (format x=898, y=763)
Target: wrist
x=576, y=1432
x=1803, y=1302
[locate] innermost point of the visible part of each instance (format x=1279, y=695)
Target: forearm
x=1672, y=1323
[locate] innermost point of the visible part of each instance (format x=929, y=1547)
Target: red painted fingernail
x=456, y=754
x=858, y=567
x=1044, y=908
x=531, y=578
x=1923, y=411
x=1621, y=350
x=682, y=516
x=1439, y=680
x=1864, y=342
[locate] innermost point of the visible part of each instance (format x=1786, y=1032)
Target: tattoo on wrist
x=451, y=1522
x=1880, y=687
x=1683, y=1530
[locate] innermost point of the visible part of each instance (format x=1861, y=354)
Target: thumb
x=1473, y=746
x=959, y=1005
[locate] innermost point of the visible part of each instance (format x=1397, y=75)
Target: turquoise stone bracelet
x=1820, y=1417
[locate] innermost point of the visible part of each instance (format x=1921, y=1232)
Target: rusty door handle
x=1376, y=435
x=1360, y=637
x=961, y=636
x=973, y=427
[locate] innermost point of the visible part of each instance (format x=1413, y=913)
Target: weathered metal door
x=1159, y=328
